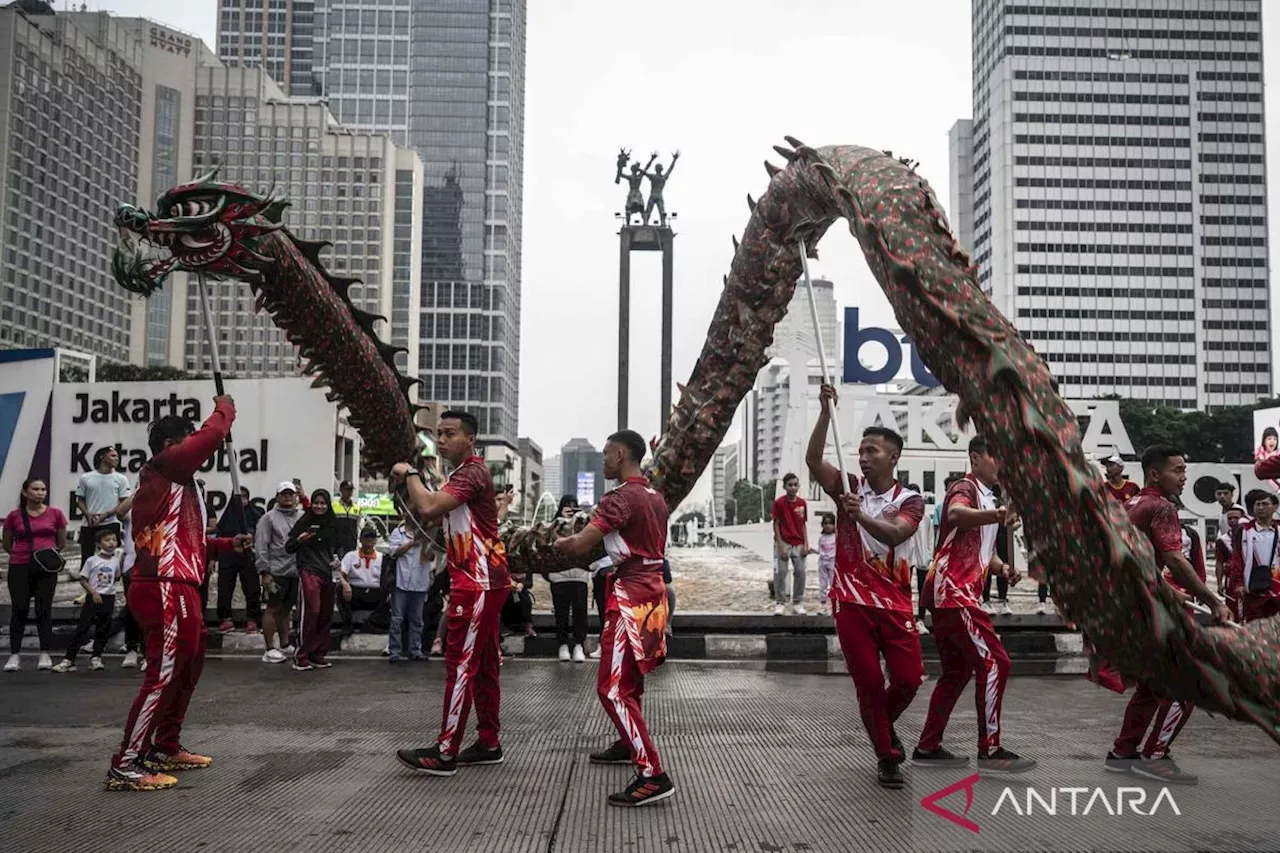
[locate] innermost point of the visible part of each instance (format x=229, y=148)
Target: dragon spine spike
x=788, y=154
x=771, y=169
x=734, y=238
x=751, y=203
x=793, y=142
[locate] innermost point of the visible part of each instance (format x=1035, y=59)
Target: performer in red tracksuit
x=967, y=644
x=1223, y=559
x=478, y=587
x=168, y=525
x=1154, y=513
x=871, y=587
x=631, y=521
x=1255, y=567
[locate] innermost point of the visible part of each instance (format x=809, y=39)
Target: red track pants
x=1169, y=718
x=620, y=684
x=471, y=661
x=865, y=634
x=968, y=648
x=173, y=636
x=315, y=617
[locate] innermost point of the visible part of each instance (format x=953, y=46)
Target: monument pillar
x=644, y=238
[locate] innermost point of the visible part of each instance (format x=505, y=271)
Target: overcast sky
x=723, y=81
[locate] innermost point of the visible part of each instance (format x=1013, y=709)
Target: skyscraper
x=447, y=79
x=275, y=35
x=1118, y=192
x=357, y=190
x=92, y=117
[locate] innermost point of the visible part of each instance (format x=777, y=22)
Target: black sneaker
x=888, y=774
x=1004, y=761
x=1163, y=770
x=1114, y=763
x=643, y=791
x=428, y=761
x=940, y=757
x=476, y=755
x=617, y=753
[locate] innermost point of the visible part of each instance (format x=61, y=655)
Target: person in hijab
x=316, y=540
x=240, y=516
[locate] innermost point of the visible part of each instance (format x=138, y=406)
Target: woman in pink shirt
x=33, y=526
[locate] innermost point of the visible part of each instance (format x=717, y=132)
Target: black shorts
x=284, y=592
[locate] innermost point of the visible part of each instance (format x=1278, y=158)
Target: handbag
x=1260, y=582
x=47, y=559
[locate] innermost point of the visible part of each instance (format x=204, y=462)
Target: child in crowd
x=826, y=559
x=98, y=577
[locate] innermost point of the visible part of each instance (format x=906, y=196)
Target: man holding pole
x=168, y=525
x=871, y=587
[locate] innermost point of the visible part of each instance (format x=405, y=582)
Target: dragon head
x=204, y=226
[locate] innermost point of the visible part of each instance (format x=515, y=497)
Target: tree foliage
x=748, y=501
x=110, y=371
x=1223, y=435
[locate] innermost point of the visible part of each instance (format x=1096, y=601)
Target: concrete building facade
x=356, y=190
x=1118, y=180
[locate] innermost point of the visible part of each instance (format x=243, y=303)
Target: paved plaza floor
x=765, y=761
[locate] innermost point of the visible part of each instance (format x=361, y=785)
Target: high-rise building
x=797, y=324
x=448, y=81
x=357, y=190
x=531, y=477
x=725, y=473
x=553, y=477
x=580, y=462
x=1119, y=212
x=71, y=121
x=275, y=35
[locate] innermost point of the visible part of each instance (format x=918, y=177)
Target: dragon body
x=1103, y=571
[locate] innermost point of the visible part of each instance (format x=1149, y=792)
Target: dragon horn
x=207, y=176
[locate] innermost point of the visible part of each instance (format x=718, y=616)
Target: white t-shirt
x=827, y=550
x=101, y=573
x=363, y=571
x=1264, y=539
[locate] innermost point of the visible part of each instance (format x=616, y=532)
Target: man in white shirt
x=100, y=497
x=362, y=577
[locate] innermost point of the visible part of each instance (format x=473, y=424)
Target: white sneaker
x=289, y=651
x=921, y=628
x=87, y=647
x=799, y=609
x=96, y=665
x=595, y=653
x=142, y=665
x=1042, y=609
x=779, y=609
x=386, y=651
x=13, y=664
x=274, y=656
x=1005, y=610
x=564, y=653
x=578, y=656
x=65, y=665
x=130, y=660
x=46, y=662
x=989, y=608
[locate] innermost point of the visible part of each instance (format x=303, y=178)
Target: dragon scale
x=1102, y=570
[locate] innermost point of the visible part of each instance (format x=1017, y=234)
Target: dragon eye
x=176, y=210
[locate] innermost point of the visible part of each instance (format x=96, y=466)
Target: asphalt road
x=763, y=760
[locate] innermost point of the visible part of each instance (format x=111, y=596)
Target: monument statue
x=657, y=181
x=635, y=198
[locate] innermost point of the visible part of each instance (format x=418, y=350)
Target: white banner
x=283, y=429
